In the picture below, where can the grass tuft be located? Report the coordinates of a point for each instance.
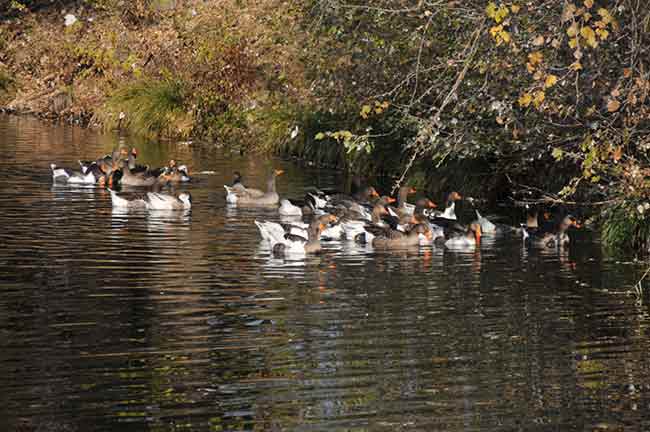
(151, 108)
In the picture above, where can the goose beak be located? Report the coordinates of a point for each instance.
(412, 191)
(390, 200)
(374, 193)
(431, 204)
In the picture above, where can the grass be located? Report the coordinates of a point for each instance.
(150, 107)
(6, 81)
(625, 229)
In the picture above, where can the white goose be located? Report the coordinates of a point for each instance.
(62, 175)
(288, 209)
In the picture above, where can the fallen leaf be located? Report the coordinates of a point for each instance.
(539, 40)
(613, 105)
(540, 96)
(575, 66)
(618, 153)
(568, 11)
(525, 99)
(627, 72)
(515, 8)
(550, 81)
(589, 4)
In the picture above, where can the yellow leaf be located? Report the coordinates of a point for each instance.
(540, 96)
(505, 36)
(575, 66)
(589, 35)
(572, 31)
(525, 99)
(491, 10)
(573, 42)
(586, 16)
(602, 33)
(494, 31)
(530, 68)
(627, 72)
(535, 57)
(385, 104)
(551, 80)
(539, 40)
(515, 8)
(589, 3)
(568, 11)
(613, 105)
(365, 110)
(538, 75)
(605, 15)
(600, 24)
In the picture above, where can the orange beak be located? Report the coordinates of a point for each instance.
(322, 227)
(547, 216)
(412, 190)
(110, 181)
(279, 172)
(431, 204)
(374, 193)
(390, 200)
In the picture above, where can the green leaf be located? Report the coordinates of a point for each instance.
(557, 154)
(319, 136)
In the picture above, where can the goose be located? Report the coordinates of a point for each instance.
(487, 227)
(418, 234)
(62, 175)
(153, 201)
(251, 197)
(555, 238)
(284, 243)
(470, 239)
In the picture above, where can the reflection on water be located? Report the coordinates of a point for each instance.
(184, 320)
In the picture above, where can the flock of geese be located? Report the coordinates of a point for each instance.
(364, 217)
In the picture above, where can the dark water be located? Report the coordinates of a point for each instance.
(113, 322)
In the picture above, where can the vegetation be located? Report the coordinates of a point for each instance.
(501, 97)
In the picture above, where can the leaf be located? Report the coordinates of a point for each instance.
(555, 43)
(589, 35)
(576, 66)
(602, 33)
(535, 57)
(365, 110)
(515, 8)
(557, 154)
(613, 105)
(530, 67)
(605, 15)
(539, 40)
(551, 80)
(572, 31)
(627, 72)
(540, 96)
(505, 36)
(525, 99)
(538, 75)
(618, 153)
(589, 4)
(573, 42)
(319, 136)
(568, 11)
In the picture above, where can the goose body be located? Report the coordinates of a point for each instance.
(470, 239)
(62, 175)
(487, 227)
(288, 209)
(242, 196)
(153, 201)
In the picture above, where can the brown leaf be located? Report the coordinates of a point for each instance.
(539, 40)
(627, 72)
(568, 12)
(613, 105)
(618, 153)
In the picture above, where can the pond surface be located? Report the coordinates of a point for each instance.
(114, 322)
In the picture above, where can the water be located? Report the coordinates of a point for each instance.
(113, 322)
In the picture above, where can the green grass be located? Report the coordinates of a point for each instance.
(155, 107)
(624, 229)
